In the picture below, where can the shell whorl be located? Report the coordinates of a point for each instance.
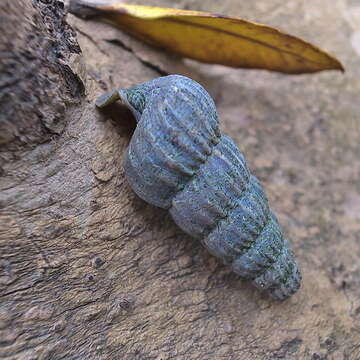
(179, 160)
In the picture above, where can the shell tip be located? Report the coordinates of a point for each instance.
(107, 99)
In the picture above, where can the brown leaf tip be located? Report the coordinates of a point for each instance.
(82, 9)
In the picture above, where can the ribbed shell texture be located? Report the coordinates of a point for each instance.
(179, 160)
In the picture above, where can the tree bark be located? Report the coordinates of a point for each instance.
(90, 271)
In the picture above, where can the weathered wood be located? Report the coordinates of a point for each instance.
(89, 271)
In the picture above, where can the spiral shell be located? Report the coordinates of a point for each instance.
(179, 160)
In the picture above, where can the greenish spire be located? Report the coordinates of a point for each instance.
(136, 97)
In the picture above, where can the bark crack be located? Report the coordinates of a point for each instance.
(146, 63)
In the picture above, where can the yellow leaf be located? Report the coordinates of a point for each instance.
(212, 38)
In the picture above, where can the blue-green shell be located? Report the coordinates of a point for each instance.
(179, 160)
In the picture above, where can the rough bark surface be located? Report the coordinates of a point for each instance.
(90, 271)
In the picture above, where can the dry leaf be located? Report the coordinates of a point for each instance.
(212, 38)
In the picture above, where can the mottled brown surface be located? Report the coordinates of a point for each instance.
(89, 271)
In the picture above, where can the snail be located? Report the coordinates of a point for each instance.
(179, 160)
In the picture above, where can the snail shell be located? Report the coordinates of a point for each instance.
(179, 160)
